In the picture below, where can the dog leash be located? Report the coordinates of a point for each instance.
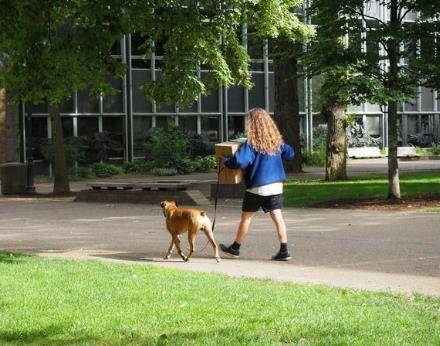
(215, 206)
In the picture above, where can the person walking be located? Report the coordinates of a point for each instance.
(261, 158)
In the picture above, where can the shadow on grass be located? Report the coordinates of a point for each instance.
(13, 258)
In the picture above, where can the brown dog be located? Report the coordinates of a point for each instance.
(180, 220)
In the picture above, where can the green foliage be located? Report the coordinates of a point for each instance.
(164, 171)
(84, 172)
(421, 151)
(191, 32)
(71, 148)
(70, 48)
(168, 147)
(435, 148)
(316, 158)
(205, 163)
(103, 170)
(138, 166)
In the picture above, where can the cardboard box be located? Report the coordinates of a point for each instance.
(228, 176)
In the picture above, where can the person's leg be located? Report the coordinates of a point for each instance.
(243, 227)
(277, 217)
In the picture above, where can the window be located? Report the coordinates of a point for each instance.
(87, 103)
(141, 126)
(114, 103)
(140, 102)
(210, 127)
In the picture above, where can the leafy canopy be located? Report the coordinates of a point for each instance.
(50, 48)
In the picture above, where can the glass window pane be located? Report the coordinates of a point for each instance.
(164, 121)
(235, 125)
(236, 99)
(411, 106)
(210, 126)
(164, 108)
(373, 108)
(271, 92)
(39, 136)
(427, 99)
(87, 126)
(192, 108)
(256, 94)
(210, 103)
(141, 125)
(67, 105)
(188, 124)
(67, 124)
(87, 103)
(373, 125)
(140, 102)
(301, 94)
(136, 41)
(114, 103)
(114, 126)
(39, 127)
(40, 108)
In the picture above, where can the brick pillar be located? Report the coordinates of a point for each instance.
(2, 126)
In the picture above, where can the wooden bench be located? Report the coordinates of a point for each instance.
(111, 186)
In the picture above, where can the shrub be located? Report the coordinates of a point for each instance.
(164, 171)
(137, 166)
(421, 151)
(103, 170)
(167, 146)
(435, 148)
(317, 157)
(84, 172)
(205, 163)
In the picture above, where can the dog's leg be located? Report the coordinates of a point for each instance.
(179, 249)
(210, 236)
(191, 241)
(170, 250)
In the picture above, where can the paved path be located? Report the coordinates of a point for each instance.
(397, 251)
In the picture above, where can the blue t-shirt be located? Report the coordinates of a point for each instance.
(260, 169)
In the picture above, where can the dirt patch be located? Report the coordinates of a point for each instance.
(406, 203)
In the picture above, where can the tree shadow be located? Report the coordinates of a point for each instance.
(13, 258)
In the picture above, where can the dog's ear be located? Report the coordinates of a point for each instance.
(175, 202)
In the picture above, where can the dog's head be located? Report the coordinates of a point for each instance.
(165, 205)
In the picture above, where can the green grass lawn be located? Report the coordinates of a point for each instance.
(55, 302)
(302, 193)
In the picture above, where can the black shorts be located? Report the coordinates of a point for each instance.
(253, 202)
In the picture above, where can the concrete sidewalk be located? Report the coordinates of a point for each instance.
(395, 251)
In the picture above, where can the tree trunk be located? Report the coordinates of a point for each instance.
(286, 112)
(393, 167)
(61, 177)
(2, 125)
(336, 146)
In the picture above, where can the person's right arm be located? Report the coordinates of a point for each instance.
(287, 152)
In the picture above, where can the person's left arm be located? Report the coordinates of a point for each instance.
(243, 158)
(287, 152)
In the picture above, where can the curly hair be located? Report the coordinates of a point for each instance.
(263, 134)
